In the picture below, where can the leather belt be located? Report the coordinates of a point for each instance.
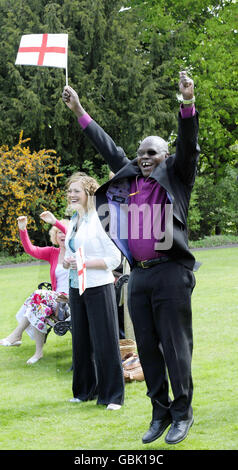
(148, 263)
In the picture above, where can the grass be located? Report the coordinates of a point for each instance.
(206, 242)
(34, 409)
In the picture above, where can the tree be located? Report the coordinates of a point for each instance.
(215, 69)
(27, 93)
(199, 36)
(106, 66)
(122, 84)
(124, 63)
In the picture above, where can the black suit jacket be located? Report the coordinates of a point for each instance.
(176, 174)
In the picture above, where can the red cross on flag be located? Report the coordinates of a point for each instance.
(48, 50)
(81, 267)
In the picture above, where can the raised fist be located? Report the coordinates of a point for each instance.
(186, 86)
(22, 222)
(48, 217)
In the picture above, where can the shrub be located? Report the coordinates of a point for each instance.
(28, 185)
(214, 207)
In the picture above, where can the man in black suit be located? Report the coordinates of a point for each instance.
(148, 201)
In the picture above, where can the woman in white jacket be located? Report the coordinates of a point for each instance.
(97, 367)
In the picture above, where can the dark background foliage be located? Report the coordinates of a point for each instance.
(124, 58)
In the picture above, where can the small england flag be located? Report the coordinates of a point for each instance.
(81, 267)
(49, 50)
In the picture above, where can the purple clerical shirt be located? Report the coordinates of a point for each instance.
(146, 217)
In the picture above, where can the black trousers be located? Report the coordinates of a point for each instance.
(159, 301)
(97, 366)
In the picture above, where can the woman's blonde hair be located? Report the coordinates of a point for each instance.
(89, 185)
(54, 230)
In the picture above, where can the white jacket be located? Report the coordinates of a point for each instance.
(96, 245)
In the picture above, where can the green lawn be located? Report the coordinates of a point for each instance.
(35, 412)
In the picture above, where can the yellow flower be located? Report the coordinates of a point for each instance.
(28, 184)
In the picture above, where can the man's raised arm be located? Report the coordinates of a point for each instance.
(103, 143)
(187, 148)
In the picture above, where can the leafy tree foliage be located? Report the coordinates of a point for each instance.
(124, 58)
(107, 66)
(124, 63)
(215, 70)
(201, 37)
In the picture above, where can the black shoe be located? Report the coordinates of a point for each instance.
(178, 431)
(157, 427)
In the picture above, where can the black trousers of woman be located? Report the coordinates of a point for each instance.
(159, 300)
(97, 366)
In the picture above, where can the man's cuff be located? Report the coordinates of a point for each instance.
(84, 120)
(187, 112)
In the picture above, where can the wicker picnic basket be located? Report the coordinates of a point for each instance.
(127, 346)
(132, 369)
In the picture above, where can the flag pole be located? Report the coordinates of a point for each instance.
(66, 68)
(66, 75)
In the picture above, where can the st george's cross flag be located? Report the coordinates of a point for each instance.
(81, 268)
(48, 50)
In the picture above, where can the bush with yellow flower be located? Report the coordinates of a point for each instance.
(28, 186)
